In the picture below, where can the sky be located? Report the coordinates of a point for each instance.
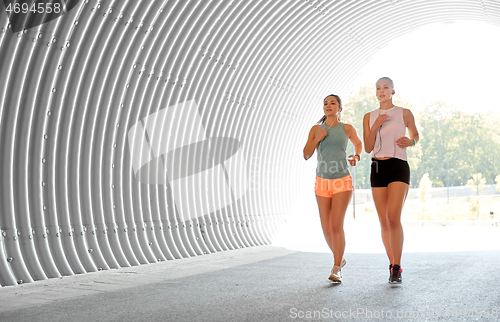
(458, 63)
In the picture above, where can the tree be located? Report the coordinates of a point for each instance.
(476, 184)
(468, 142)
(424, 194)
(437, 141)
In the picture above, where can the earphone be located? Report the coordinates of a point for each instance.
(380, 138)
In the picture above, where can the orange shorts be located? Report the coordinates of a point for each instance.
(328, 187)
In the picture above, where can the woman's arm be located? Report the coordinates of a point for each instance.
(352, 134)
(409, 121)
(313, 141)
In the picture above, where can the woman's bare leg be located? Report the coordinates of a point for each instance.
(340, 202)
(380, 199)
(332, 213)
(396, 196)
(324, 206)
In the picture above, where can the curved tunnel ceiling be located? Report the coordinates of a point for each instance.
(139, 131)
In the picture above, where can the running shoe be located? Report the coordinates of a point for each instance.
(336, 275)
(395, 277)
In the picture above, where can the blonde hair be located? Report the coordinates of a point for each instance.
(386, 78)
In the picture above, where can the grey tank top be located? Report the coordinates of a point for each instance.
(332, 162)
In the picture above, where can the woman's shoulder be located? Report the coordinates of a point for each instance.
(407, 115)
(315, 128)
(367, 115)
(406, 110)
(348, 126)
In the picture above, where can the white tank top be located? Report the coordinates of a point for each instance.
(392, 129)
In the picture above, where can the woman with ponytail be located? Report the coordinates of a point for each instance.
(333, 186)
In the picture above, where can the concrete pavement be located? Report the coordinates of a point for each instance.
(276, 283)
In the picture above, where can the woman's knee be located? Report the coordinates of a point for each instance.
(333, 228)
(384, 225)
(337, 227)
(394, 221)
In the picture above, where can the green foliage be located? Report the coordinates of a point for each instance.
(474, 207)
(424, 195)
(425, 186)
(477, 182)
(457, 143)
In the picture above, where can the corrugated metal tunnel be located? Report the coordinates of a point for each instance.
(133, 132)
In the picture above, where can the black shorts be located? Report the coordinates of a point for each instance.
(384, 172)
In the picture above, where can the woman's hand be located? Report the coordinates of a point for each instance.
(404, 142)
(352, 160)
(321, 134)
(379, 121)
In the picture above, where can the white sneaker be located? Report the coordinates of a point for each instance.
(336, 275)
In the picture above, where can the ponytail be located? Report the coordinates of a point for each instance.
(322, 120)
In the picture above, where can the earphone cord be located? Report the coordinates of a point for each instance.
(380, 139)
(320, 142)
